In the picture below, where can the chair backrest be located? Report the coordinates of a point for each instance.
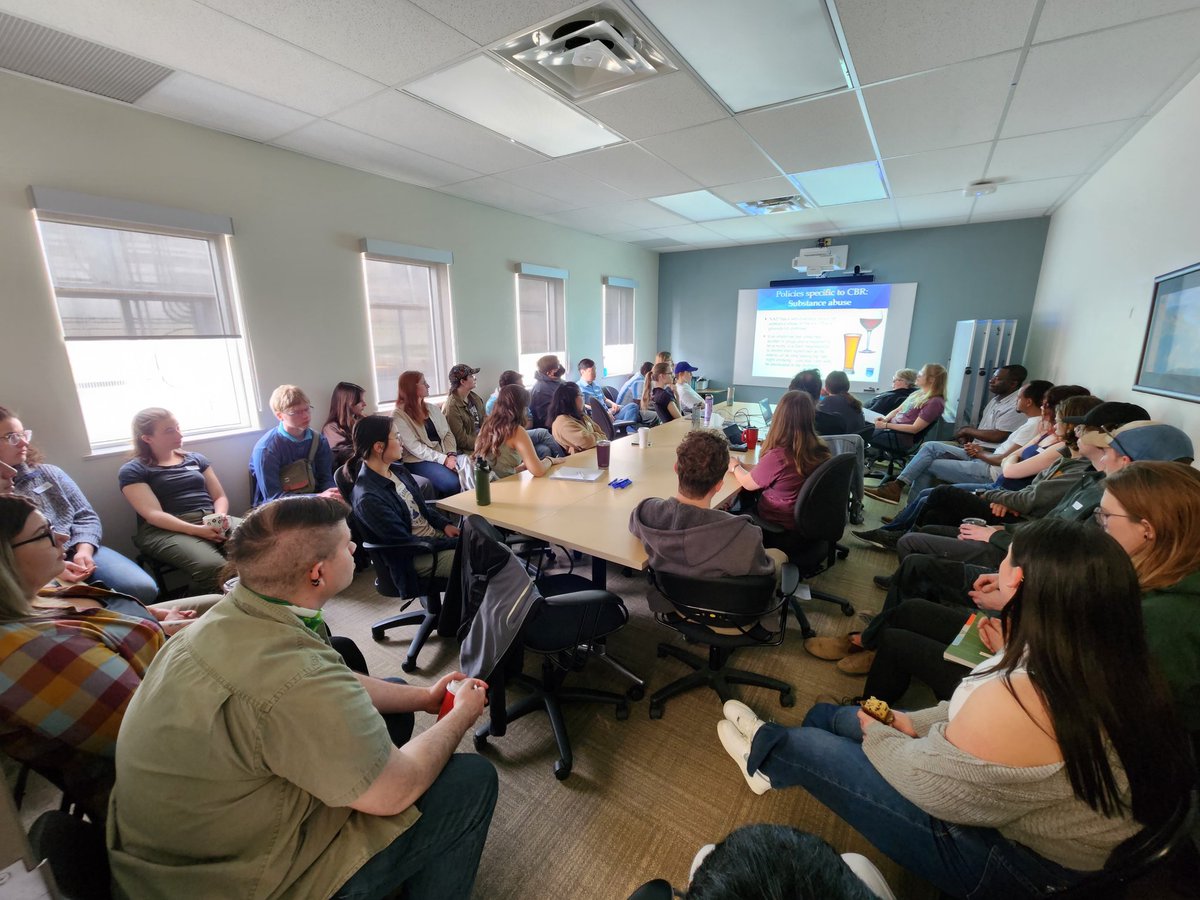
(822, 508)
(719, 602)
(345, 484)
(601, 417)
(610, 393)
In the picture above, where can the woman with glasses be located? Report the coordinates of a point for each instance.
(346, 406)
(172, 490)
(429, 448)
(292, 458)
(61, 501)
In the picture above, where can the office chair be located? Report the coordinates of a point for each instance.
(74, 849)
(735, 605)
(503, 615)
(394, 578)
(819, 518)
(612, 429)
(856, 444)
(610, 392)
(899, 455)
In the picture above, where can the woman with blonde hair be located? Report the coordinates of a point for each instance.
(899, 428)
(657, 396)
(429, 446)
(503, 439)
(789, 454)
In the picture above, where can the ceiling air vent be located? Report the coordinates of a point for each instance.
(773, 205)
(589, 52)
(51, 55)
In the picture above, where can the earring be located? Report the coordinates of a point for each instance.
(315, 582)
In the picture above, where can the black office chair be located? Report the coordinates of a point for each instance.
(896, 456)
(610, 393)
(74, 849)
(736, 605)
(491, 592)
(819, 519)
(612, 429)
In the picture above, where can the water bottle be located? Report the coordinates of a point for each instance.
(483, 482)
(708, 405)
(696, 416)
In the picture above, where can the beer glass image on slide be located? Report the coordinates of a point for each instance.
(851, 352)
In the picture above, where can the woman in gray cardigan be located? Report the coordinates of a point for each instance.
(1049, 755)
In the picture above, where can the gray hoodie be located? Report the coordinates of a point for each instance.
(702, 543)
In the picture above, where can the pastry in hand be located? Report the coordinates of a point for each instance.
(877, 709)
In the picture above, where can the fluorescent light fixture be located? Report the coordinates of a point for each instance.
(699, 206)
(842, 184)
(483, 91)
(775, 50)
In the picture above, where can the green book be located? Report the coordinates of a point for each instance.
(967, 649)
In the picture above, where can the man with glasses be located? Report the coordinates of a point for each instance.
(291, 458)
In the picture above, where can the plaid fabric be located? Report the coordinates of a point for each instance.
(66, 679)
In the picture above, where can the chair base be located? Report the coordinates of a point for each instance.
(713, 673)
(427, 622)
(638, 690)
(548, 694)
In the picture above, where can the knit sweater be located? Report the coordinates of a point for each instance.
(60, 500)
(1032, 805)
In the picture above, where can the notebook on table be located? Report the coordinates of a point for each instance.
(566, 473)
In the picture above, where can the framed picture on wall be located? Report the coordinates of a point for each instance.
(1170, 364)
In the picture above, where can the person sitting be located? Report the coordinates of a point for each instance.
(838, 401)
(1045, 759)
(253, 761)
(346, 406)
(545, 382)
(899, 428)
(464, 409)
(572, 429)
(631, 390)
(789, 455)
(904, 383)
(291, 458)
(430, 449)
(543, 440)
(172, 491)
(809, 381)
(657, 396)
(60, 500)
(388, 505)
(591, 390)
(503, 440)
(684, 535)
(685, 395)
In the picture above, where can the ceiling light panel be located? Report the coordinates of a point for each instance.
(842, 184)
(782, 50)
(699, 206)
(484, 91)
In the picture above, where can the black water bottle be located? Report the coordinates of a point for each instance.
(483, 482)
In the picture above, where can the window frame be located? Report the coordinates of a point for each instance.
(618, 284)
(556, 296)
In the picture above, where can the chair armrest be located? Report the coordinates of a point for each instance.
(582, 598)
(408, 548)
(790, 580)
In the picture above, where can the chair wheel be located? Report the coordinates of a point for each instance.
(636, 693)
(409, 665)
(378, 634)
(480, 742)
(622, 711)
(787, 698)
(656, 710)
(807, 633)
(842, 554)
(561, 770)
(847, 610)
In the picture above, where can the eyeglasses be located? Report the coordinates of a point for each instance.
(16, 437)
(46, 534)
(297, 411)
(1102, 517)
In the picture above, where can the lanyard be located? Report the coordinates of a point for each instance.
(313, 619)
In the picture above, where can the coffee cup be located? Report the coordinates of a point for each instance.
(448, 700)
(750, 436)
(975, 521)
(644, 437)
(602, 453)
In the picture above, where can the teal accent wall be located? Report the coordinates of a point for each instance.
(984, 271)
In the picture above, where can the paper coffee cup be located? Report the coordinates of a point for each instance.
(974, 521)
(218, 520)
(644, 437)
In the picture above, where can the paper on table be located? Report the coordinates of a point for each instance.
(565, 473)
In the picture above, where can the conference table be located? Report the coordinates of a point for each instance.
(591, 517)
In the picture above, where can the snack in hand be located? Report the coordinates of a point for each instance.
(877, 709)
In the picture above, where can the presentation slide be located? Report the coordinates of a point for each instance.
(860, 329)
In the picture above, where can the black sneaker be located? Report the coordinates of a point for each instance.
(883, 581)
(884, 540)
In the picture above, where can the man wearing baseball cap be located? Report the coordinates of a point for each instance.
(685, 394)
(463, 407)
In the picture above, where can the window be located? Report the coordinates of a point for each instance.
(540, 320)
(618, 326)
(149, 318)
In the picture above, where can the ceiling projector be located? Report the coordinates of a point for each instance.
(819, 260)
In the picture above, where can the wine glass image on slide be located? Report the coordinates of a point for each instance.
(851, 352)
(869, 324)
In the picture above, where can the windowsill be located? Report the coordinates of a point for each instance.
(198, 439)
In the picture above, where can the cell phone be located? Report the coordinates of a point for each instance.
(7, 471)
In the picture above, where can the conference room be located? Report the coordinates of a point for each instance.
(275, 193)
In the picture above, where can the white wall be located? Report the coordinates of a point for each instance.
(297, 222)
(1135, 219)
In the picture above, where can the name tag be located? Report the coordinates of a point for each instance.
(1077, 505)
(42, 488)
(191, 468)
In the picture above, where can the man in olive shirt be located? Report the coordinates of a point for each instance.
(253, 763)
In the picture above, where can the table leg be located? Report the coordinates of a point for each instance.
(600, 573)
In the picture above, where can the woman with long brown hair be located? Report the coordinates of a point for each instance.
(429, 446)
(503, 439)
(346, 406)
(789, 454)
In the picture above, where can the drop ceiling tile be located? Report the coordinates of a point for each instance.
(1005, 215)
(716, 153)
(1102, 76)
(814, 135)
(336, 143)
(947, 207)
(1054, 153)
(363, 35)
(938, 170)
(491, 191)
(657, 106)
(695, 235)
(749, 229)
(949, 107)
(597, 220)
(1024, 195)
(634, 236)
(763, 189)
(415, 124)
(1061, 18)
(900, 37)
(804, 223)
(872, 214)
(644, 214)
(563, 183)
(185, 35)
(631, 169)
(489, 22)
(661, 243)
(212, 105)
